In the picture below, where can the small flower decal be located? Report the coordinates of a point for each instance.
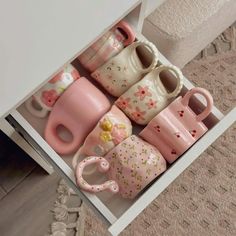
(142, 92)
(105, 136)
(49, 97)
(119, 133)
(106, 125)
(123, 103)
(151, 104)
(56, 78)
(138, 115)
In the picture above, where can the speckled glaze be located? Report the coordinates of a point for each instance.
(130, 167)
(125, 69)
(177, 127)
(148, 97)
(46, 96)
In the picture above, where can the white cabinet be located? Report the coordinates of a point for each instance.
(53, 33)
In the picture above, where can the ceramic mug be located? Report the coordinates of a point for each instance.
(110, 44)
(177, 127)
(111, 129)
(130, 167)
(149, 96)
(125, 69)
(78, 110)
(44, 99)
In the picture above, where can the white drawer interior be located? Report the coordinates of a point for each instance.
(115, 203)
(113, 207)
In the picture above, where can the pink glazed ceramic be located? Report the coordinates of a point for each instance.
(130, 167)
(125, 69)
(148, 97)
(44, 99)
(78, 110)
(177, 127)
(112, 129)
(110, 44)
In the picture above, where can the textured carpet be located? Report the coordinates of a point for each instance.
(202, 200)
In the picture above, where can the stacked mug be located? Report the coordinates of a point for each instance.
(126, 70)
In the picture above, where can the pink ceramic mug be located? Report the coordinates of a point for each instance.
(78, 110)
(110, 44)
(130, 167)
(111, 129)
(177, 127)
(44, 99)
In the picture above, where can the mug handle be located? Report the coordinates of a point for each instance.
(103, 166)
(128, 30)
(206, 95)
(75, 161)
(179, 76)
(153, 50)
(53, 139)
(38, 113)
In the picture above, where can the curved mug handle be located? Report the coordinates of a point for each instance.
(38, 113)
(178, 74)
(128, 30)
(151, 48)
(103, 166)
(60, 146)
(206, 95)
(75, 161)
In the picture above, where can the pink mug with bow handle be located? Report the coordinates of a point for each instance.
(130, 167)
(177, 127)
(78, 110)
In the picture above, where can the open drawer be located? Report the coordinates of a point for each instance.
(116, 211)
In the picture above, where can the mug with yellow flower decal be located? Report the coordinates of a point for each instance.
(130, 167)
(112, 129)
(145, 99)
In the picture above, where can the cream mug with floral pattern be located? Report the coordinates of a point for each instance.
(149, 96)
(128, 67)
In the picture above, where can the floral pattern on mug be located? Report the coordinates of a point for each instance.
(49, 97)
(133, 164)
(148, 97)
(51, 91)
(125, 69)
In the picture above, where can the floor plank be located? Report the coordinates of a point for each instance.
(15, 164)
(2, 193)
(26, 209)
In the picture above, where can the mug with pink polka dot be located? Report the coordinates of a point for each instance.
(130, 167)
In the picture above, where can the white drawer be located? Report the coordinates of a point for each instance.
(116, 211)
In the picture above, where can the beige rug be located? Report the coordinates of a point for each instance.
(202, 200)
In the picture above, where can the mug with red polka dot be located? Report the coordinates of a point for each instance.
(130, 167)
(177, 127)
(149, 96)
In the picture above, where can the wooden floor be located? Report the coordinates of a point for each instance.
(27, 193)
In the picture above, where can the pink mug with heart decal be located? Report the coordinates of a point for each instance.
(177, 127)
(77, 110)
(130, 167)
